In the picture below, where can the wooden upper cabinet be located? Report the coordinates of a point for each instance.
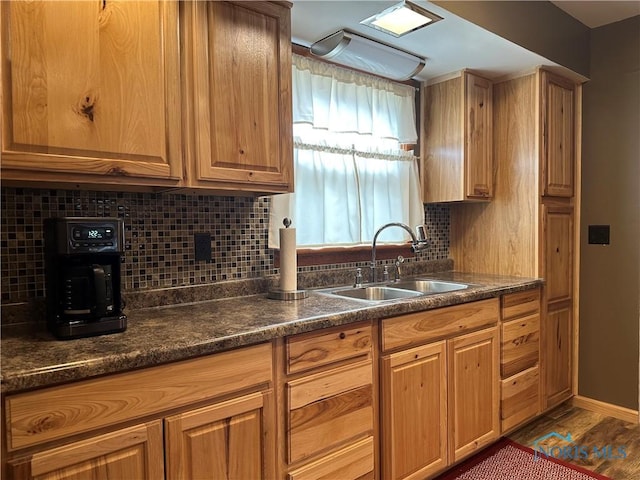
(558, 157)
(457, 149)
(478, 97)
(91, 92)
(238, 74)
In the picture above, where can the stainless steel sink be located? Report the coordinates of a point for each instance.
(428, 286)
(374, 293)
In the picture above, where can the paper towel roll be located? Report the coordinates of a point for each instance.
(288, 260)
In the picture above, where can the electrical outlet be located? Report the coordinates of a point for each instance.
(599, 234)
(202, 246)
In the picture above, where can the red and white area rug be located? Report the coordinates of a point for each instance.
(508, 460)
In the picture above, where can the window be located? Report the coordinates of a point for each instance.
(351, 174)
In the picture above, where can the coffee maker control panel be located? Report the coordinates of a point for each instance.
(92, 237)
(89, 235)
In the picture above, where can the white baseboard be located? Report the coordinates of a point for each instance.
(615, 411)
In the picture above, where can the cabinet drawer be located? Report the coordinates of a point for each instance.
(520, 399)
(354, 462)
(518, 304)
(423, 327)
(520, 347)
(328, 409)
(57, 412)
(317, 349)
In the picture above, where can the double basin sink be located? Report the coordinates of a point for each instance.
(396, 290)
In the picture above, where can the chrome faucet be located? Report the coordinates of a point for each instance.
(417, 243)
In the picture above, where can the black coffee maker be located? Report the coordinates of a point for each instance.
(82, 274)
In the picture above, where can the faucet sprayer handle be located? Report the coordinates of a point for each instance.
(422, 241)
(421, 232)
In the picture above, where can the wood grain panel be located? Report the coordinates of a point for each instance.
(557, 355)
(520, 347)
(414, 412)
(134, 452)
(474, 391)
(355, 462)
(443, 148)
(328, 409)
(501, 236)
(220, 441)
(93, 88)
(323, 385)
(520, 398)
(478, 136)
(520, 304)
(421, 327)
(56, 412)
(558, 103)
(559, 256)
(315, 349)
(241, 120)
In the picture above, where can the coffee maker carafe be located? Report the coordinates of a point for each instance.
(82, 270)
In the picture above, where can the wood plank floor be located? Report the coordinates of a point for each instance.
(589, 429)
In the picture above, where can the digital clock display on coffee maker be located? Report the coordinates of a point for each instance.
(92, 233)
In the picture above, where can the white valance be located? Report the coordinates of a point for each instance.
(357, 102)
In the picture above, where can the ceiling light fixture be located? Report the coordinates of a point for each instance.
(402, 18)
(362, 53)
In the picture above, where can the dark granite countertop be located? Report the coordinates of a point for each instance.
(32, 358)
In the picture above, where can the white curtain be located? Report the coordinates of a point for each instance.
(351, 175)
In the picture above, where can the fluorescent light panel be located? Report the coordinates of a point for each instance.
(400, 19)
(362, 53)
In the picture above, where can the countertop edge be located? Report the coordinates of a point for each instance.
(28, 379)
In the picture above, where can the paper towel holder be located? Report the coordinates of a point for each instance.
(279, 294)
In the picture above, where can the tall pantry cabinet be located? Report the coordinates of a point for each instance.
(531, 226)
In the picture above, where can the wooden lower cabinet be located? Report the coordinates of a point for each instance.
(557, 356)
(222, 441)
(474, 391)
(132, 453)
(520, 398)
(328, 404)
(353, 462)
(440, 401)
(414, 412)
(520, 358)
(218, 413)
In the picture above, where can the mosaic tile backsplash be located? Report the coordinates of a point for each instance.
(159, 237)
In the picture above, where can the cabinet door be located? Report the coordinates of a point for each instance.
(474, 391)
(229, 440)
(133, 453)
(557, 357)
(414, 412)
(91, 92)
(558, 251)
(478, 136)
(558, 151)
(240, 53)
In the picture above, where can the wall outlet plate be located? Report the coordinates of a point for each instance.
(202, 246)
(599, 234)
